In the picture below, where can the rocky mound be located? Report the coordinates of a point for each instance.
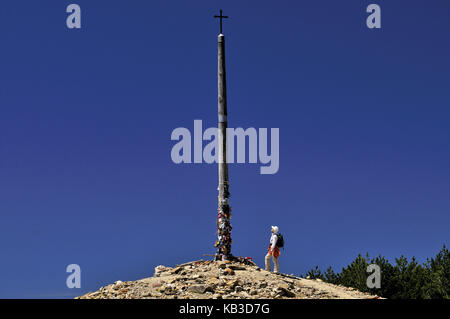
(222, 280)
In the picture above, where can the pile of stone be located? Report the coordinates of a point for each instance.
(221, 280)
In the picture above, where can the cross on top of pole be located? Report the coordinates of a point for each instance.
(221, 17)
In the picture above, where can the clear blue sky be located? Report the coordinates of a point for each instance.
(86, 116)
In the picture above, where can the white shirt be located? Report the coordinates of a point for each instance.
(273, 240)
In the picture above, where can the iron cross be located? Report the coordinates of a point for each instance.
(221, 17)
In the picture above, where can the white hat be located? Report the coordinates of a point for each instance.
(275, 229)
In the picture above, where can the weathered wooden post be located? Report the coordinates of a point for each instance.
(223, 243)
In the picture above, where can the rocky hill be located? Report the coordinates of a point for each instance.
(222, 280)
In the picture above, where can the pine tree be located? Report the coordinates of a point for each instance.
(404, 280)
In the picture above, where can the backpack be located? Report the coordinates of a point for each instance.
(280, 241)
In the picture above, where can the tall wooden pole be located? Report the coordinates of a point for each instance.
(223, 243)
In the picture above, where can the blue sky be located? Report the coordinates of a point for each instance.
(86, 117)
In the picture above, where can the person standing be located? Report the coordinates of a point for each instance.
(274, 251)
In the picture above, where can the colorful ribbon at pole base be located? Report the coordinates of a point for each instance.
(224, 241)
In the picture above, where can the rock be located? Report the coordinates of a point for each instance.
(245, 295)
(210, 288)
(233, 283)
(176, 270)
(159, 270)
(283, 286)
(213, 282)
(229, 271)
(200, 289)
(262, 285)
(282, 291)
(218, 280)
(234, 267)
(169, 290)
(220, 291)
(221, 264)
